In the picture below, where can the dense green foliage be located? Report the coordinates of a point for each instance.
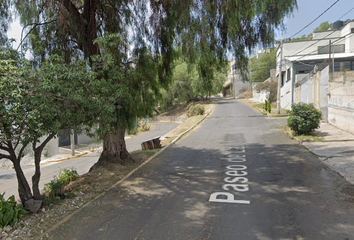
(35, 105)
(10, 212)
(67, 175)
(105, 62)
(260, 67)
(323, 27)
(304, 118)
(5, 20)
(55, 188)
(187, 84)
(267, 106)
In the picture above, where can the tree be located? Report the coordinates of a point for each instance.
(260, 67)
(184, 81)
(5, 14)
(322, 27)
(207, 30)
(35, 105)
(187, 83)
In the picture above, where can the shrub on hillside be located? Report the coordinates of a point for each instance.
(10, 212)
(56, 186)
(195, 110)
(304, 118)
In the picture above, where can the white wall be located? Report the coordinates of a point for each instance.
(83, 138)
(326, 34)
(52, 146)
(341, 101)
(286, 94)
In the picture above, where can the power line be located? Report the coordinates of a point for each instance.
(324, 36)
(316, 18)
(346, 13)
(348, 35)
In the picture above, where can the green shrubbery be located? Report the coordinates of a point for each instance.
(144, 126)
(304, 118)
(267, 106)
(10, 212)
(56, 187)
(195, 110)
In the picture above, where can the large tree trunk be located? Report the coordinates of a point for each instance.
(37, 175)
(37, 161)
(114, 149)
(24, 189)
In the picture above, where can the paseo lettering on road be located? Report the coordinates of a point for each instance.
(235, 180)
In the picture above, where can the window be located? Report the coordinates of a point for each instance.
(282, 78)
(340, 48)
(288, 76)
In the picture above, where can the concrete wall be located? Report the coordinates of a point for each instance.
(286, 92)
(341, 101)
(323, 93)
(83, 138)
(52, 146)
(259, 96)
(239, 85)
(304, 91)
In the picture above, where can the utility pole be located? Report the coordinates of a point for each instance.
(72, 142)
(233, 80)
(329, 54)
(280, 76)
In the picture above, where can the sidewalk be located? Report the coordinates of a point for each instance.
(336, 150)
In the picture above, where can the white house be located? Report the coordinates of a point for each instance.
(301, 58)
(234, 84)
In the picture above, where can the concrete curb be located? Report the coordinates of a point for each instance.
(124, 178)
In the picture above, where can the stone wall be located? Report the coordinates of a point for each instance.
(341, 100)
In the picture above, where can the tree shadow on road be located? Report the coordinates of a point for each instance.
(291, 194)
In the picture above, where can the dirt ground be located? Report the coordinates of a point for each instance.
(91, 185)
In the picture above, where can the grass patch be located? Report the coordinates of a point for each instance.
(185, 125)
(168, 141)
(303, 138)
(146, 152)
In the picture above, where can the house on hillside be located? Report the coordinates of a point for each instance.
(300, 60)
(235, 84)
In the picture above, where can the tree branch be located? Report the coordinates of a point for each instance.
(4, 156)
(34, 26)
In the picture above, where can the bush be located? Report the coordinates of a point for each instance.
(10, 212)
(144, 126)
(133, 131)
(304, 118)
(67, 175)
(269, 106)
(56, 186)
(195, 110)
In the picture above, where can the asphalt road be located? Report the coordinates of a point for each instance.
(236, 177)
(8, 181)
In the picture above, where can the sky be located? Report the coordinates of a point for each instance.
(308, 10)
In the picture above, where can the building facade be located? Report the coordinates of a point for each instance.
(301, 59)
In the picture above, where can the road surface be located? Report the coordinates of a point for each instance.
(236, 177)
(8, 181)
